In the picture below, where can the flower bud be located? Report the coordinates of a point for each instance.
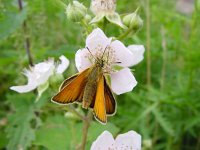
(88, 18)
(55, 80)
(198, 5)
(133, 21)
(76, 11)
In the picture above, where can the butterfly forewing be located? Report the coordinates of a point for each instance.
(72, 89)
(67, 81)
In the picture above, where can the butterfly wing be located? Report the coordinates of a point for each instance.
(110, 102)
(67, 81)
(99, 102)
(72, 89)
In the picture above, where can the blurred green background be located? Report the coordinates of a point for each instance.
(164, 107)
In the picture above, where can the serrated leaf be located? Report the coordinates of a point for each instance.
(20, 132)
(164, 123)
(54, 134)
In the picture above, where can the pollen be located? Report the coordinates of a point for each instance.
(105, 6)
(106, 55)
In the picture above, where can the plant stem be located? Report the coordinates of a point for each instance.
(148, 42)
(104, 24)
(27, 40)
(164, 47)
(73, 110)
(86, 125)
(125, 34)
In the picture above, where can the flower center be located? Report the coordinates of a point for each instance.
(105, 56)
(99, 6)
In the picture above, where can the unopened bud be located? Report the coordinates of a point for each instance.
(76, 11)
(88, 18)
(133, 21)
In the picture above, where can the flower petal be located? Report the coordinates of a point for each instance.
(63, 65)
(138, 53)
(129, 140)
(24, 88)
(123, 81)
(103, 142)
(123, 54)
(81, 59)
(97, 41)
(42, 71)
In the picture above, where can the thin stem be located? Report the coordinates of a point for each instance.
(164, 47)
(86, 125)
(87, 28)
(73, 110)
(104, 24)
(148, 42)
(27, 40)
(125, 34)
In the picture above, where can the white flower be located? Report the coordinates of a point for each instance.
(114, 54)
(129, 141)
(39, 74)
(105, 8)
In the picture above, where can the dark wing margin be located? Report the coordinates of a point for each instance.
(109, 99)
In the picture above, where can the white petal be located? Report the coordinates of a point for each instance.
(63, 65)
(103, 142)
(123, 54)
(43, 71)
(24, 88)
(97, 40)
(81, 59)
(129, 140)
(138, 53)
(123, 81)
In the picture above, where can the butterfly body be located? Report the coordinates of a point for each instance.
(91, 86)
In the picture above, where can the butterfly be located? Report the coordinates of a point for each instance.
(89, 88)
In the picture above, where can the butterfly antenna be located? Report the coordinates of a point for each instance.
(91, 54)
(104, 52)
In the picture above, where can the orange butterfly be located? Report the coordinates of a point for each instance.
(91, 89)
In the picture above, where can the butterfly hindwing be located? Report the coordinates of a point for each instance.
(110, 102)
(99, 102)
(72, 89)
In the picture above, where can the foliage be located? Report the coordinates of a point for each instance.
(166, 113)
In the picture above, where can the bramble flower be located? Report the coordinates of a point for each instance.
(39, 74)
(130, 141)
(105, 8)
(115, 56)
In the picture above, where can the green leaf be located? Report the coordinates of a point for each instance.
(54, 134)
(10, 22)
(20, 130)
(164, 123)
